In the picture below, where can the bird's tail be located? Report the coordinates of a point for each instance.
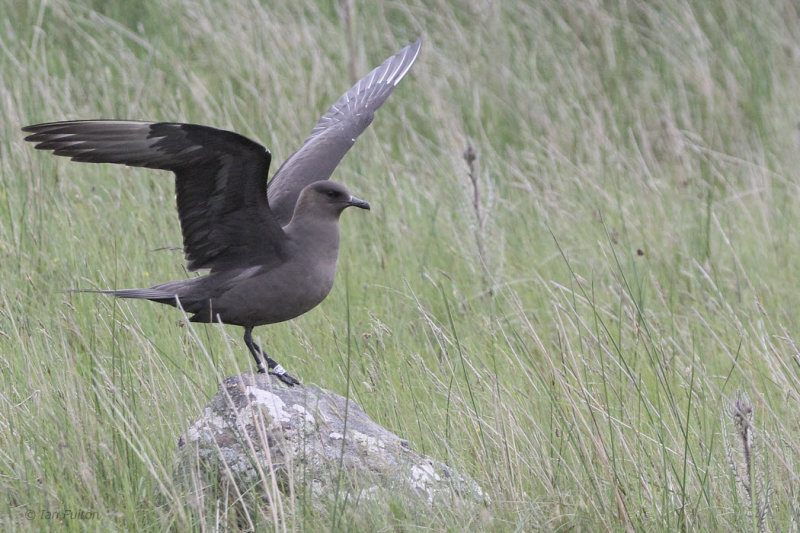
(156, 295)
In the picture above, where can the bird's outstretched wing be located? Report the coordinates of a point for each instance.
(220, 181)
(336, 132)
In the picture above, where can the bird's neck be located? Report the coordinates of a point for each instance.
(320, 234)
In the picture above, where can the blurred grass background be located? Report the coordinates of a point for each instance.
(581, 336)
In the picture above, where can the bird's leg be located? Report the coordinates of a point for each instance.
(274, 367)
(255, 349)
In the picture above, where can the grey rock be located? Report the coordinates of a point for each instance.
(259, 440)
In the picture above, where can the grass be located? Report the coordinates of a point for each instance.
(581, 348)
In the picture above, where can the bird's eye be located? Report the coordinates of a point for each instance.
(333, 194)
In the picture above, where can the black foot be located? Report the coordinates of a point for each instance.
(280, 373)
(286, 378)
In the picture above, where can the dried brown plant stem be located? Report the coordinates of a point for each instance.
(471, 157)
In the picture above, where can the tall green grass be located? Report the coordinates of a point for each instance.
(637, 176)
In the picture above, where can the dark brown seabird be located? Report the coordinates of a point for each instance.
(270, 250)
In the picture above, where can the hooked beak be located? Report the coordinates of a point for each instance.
(356, 202)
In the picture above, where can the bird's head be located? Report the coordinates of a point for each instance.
(326, 199)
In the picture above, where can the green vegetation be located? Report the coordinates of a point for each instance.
(576, 343)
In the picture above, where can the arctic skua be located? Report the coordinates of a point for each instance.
(270, 250)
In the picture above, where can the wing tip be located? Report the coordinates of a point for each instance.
(408, 56)
(54, 127)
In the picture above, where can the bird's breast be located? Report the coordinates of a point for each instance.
(268, 296)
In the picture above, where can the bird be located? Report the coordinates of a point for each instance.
(269, 249)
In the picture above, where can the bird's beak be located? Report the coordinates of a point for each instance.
(356, 202)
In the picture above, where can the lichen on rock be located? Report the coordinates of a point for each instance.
(259, 441)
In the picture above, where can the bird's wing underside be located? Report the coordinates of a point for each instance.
(336, 132)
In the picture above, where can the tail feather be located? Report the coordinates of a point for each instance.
(155, 295)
